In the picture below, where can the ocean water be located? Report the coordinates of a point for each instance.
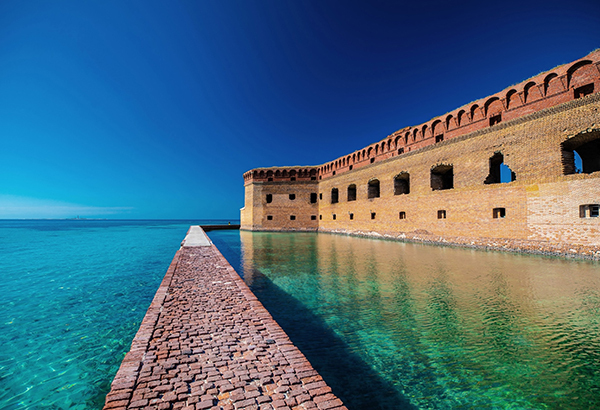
(393, 325)
(73, 294)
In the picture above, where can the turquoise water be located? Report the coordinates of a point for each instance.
(73, 296)
(391, 325)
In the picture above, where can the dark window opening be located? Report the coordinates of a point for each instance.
(269, 198)
(589, 211)
(313, 198)
(402, 184)
(292, 178)
(581, 154)
(499, 171)
(313, 178)
(292, 197)
(400, 151)
(372, 160)
(320, 217)
(496, 119)
(402, 215)
(313, 217)
(293, 217)
(499, 213)
(350, 168)
(321, 196)
(320, 177)
(269, 179)
(334, 196)
(269, 217)
(442, 177)
(333, 172)
(373, 189)
(352, 193)
(439, 138)
(351, 216)
(583, 90)
(373, 215)
(442, 214)
(334, 216)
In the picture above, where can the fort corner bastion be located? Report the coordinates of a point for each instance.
(517, 170)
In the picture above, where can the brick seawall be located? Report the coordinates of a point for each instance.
(206, 342)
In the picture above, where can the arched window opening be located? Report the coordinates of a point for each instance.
(334, 195)
(442, 177)
(351, 193)
(373, 191)
(581, 154)
(402, 184)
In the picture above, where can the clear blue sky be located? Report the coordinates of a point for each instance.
(147, 109)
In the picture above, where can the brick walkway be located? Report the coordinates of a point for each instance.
(206, 342)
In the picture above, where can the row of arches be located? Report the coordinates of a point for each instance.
(579, 77)
(302, 173)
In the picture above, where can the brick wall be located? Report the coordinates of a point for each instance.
(541, 204)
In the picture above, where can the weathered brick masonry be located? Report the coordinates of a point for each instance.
(206, 342)
(497, 173)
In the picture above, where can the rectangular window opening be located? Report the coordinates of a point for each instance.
(321, 196)
(499, 213)
(400, 151)
(442, 214)
(292, 178)
(351, 216)
(320, 217)
(350, 167)
(334, 216)
(292, 197)
(269, 198)
(589, 211)
(313, 178)
(439, 138)
(313, 217)
(292, 217)
(495, 119)
(269, 179)
(372, 160)
(333, 172)
(313, 198)
(373, 215)
(269, 217)
(584, 90)
(402, 215)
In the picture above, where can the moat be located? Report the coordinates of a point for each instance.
(399, 325)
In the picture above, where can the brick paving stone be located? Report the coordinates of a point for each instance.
(206, 342)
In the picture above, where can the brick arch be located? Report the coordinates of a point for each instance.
(415, 132)
(436, 127)
(424, 130)
(397, 141)
(406, 138)
(269, 173)
(389, 144)
(552, 84)
(376, 149)
(461, 118)
(369, 152)
(449, 122)
(581, 73)
(493, 106)
(475, 112)
(293, 173)
(383, 147)
(363, 154)
(354, 158)
(512, 99)
(530, 92)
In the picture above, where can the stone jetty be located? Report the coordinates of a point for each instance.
(206, 342)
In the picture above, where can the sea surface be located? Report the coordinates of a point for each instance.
(73, 294)
(389, 325)
(393, 325)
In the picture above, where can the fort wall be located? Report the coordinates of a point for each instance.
(503, 167)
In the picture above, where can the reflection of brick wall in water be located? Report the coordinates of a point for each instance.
(522, 164)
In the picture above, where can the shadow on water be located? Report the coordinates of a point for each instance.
(351, 379)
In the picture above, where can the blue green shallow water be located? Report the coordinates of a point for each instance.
(389, 325)
(73, 295)
(393, 325)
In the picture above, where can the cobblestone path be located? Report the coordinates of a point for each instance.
(206, 342)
